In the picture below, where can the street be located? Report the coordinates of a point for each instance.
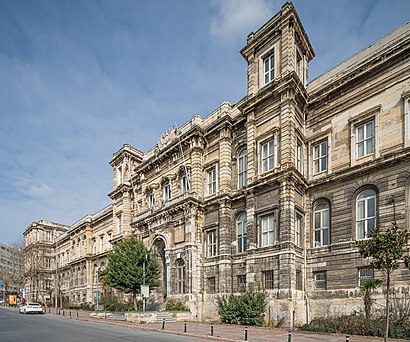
(50, 328)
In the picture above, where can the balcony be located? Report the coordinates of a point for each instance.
(165, 205)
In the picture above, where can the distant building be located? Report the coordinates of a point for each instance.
(271, 193)
(11, 270)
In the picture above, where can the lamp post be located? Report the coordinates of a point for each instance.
(98, 288)
(56, 279)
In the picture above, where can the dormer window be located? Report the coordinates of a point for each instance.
(269, 68)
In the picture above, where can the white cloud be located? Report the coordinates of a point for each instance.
(236, 17)
(25, 187)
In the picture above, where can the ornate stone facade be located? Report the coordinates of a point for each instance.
(272, 193)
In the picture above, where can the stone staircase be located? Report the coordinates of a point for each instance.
(162, 315)
(117, 316)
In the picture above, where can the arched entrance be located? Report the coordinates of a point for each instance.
(158, 251)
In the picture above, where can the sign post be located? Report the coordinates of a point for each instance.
(145, 295)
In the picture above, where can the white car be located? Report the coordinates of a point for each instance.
(30, 307)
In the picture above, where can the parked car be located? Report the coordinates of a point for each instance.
(30, 307)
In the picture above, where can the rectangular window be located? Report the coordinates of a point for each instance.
(119, 223)
(119, 175)
(365, 139)
(269, 68)
(241, 231)
(94, 247)
(101, 243)
(365, 274)
(268, 155)
(241, 282)
(406, 106)
(211, 285)
(299, 156)
(267, 231)
(320, 157)
(298, 231)
(211, 243)
(151, 200)
(300, 67)
(242, 169)
(320, 281)
(299, 280)
(268, 280)
(167, 191)
(180, 276)
(48, 236)
(211, 180)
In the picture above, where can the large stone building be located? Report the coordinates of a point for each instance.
(11, 270)
(271, 193)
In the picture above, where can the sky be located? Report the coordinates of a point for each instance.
(80, 78)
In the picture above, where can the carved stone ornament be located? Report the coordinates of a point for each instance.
(167, 137)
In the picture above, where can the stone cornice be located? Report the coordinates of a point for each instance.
(341, 85)
(370, 166)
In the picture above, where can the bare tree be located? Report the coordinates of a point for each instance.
(34, 269)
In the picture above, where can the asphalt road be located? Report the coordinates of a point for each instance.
(45, 328)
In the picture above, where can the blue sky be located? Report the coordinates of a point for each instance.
(78, 79)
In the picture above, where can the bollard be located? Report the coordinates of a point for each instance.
(347, 338)
(185, 326)
(163, 323)
(246, 333)
(212, 329)
(63, 313)
(77, 313)
(289, 336)
(70, 313)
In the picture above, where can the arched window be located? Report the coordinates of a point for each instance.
(180, 275)
(365, 213)
(241, 232)
(321, 219)
(242, 168)
(185, 182)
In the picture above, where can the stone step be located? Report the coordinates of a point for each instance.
(117, 316)
(161, 316)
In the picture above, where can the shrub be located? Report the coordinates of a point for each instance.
(175, 304)
(246, 309)
(357, 324)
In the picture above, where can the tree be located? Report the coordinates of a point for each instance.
(386, 250)
(367, 290)
(34, 271)
(125, 269)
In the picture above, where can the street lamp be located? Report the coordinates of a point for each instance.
(98, 287)
(56, 279)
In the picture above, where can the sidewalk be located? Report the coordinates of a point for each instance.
(221, 332)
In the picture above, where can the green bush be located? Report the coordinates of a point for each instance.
(357, 324)
(246, 309)
(175, 304)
